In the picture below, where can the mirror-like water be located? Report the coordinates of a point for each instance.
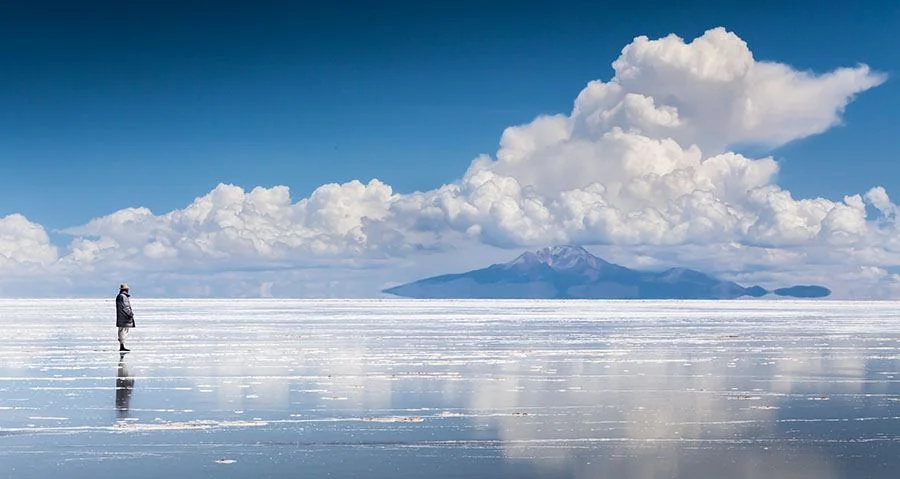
(395, 388)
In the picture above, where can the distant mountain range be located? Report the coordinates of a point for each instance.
(571, 272)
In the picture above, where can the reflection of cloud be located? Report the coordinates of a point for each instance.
(736, 463)
(681, 396)
(583, 388)
(627, 398)
(300, 364)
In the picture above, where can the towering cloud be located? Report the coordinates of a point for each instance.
(642, 160)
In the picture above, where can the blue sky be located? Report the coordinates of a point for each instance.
(154, 104)
(111, 106)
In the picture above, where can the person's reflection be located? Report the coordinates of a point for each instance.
(124, 385)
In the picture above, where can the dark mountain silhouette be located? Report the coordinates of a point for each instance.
(571, 272)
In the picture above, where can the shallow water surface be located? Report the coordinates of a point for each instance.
(410, 389)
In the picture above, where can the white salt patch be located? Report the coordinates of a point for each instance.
(196, 424)
(394, 419)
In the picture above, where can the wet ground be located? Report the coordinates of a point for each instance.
(411, 389)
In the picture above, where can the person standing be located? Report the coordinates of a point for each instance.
(124, 315)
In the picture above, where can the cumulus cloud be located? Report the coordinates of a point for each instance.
(23, 243)
(879, 198)
(231, 224)
(642, 160)
(725, 97)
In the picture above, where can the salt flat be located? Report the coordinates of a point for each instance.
(403, 388)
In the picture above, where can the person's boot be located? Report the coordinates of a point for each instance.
(122, 347)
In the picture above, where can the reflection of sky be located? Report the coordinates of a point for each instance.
(560, 389)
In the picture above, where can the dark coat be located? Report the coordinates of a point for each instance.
(124, 315)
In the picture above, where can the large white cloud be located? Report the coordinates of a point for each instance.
(642, 160)
(23, 243)
(229, 223)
